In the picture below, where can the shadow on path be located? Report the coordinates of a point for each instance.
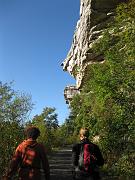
(61, 164)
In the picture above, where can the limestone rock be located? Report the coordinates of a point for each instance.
(94, 17)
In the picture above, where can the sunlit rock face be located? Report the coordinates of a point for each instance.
(94, 17)
(69, 92)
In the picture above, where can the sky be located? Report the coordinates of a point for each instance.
(35, 37)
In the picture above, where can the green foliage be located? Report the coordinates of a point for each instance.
(14, 106)
(106, 104)
(125, 12)
(67, 135)
(47, 123)
(14, 110)
(50, 117)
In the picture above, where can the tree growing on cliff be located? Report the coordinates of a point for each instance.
(107, 100)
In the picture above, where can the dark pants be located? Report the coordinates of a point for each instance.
(81, 175)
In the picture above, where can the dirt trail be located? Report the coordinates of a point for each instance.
(61, 165)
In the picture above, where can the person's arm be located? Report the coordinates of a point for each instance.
(45, 162)
(13, 166)
(100, 159)
(75, 155)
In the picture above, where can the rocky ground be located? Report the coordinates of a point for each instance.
(60, 164)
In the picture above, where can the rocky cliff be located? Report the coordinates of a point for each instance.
(94, 17)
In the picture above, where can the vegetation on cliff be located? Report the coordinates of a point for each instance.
(106, 103)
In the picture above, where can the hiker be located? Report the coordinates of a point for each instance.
(86, 158)
(30, 159)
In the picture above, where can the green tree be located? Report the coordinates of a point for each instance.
(14, 109)
(66, 132)
(47, 123)
(50, 117)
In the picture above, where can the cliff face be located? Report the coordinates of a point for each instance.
(94, 16)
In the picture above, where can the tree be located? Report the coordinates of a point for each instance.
(14, 106)
(66, 133)
(14, 109)
(50, 117)
(47, 123)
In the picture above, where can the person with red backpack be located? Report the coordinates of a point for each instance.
(30, 159)
(86, 158)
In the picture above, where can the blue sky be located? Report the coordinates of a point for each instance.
(35, 37)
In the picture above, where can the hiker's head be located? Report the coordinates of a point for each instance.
(84, 133)
(32, 132)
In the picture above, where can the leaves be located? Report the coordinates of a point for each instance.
(14, 109)
(106, 104)
(47, 122)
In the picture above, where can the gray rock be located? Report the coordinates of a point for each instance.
(94, 17)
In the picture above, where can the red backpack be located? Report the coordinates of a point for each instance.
(87, 160)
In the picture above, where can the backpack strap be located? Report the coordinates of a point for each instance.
(25, 153)
(81, 157)
(25, 150)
